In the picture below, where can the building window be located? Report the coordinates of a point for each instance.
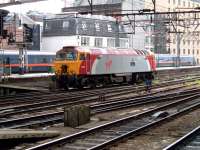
(120, 28)
(168, 1)
(97, 27)
(183, 42)
(184, 3)
(65, 24)
(179, 2)
(47, 26)
(188, 42)
(85, 41)
(189, 51)
(174, 2)
(109, 27)
(174, 41)
(183, 51)
(197, 52)
(123, 43)
(147, 40)
(110, 42)
(174, 51)
(193, 51)
(98, 42)
(197, 60)
(84, 25)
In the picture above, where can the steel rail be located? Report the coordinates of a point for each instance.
(28, 98)
(113, 128)
(189, 141)
(58, 115)
(7, 111)
(64, 96)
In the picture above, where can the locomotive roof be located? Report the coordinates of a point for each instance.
(94, 50)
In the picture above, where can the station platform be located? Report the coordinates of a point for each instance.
(24, 134)
(46, 75)
(39, 75)
(21, 88)
(17, 83)
(27, 75)
(177, 68)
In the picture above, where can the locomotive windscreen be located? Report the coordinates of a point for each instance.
(66, 54)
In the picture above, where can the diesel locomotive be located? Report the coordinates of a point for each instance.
(77, 66)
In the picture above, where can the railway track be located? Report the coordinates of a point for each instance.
(55, 104)
(48, 118)
(51, 112)
(60, 97)
(113, 132)
(27, 95)
(190, 141)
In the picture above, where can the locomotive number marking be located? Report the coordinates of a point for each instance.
(132, 64)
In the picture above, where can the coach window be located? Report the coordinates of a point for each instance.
(7, 60)
(44, 60)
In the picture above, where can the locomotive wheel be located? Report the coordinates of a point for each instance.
(80, 84)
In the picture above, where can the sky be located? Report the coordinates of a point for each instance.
(48, 6)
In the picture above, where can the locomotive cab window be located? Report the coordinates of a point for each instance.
(82, 56)
(69, 55)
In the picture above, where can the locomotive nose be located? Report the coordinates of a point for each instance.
(64, 68)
